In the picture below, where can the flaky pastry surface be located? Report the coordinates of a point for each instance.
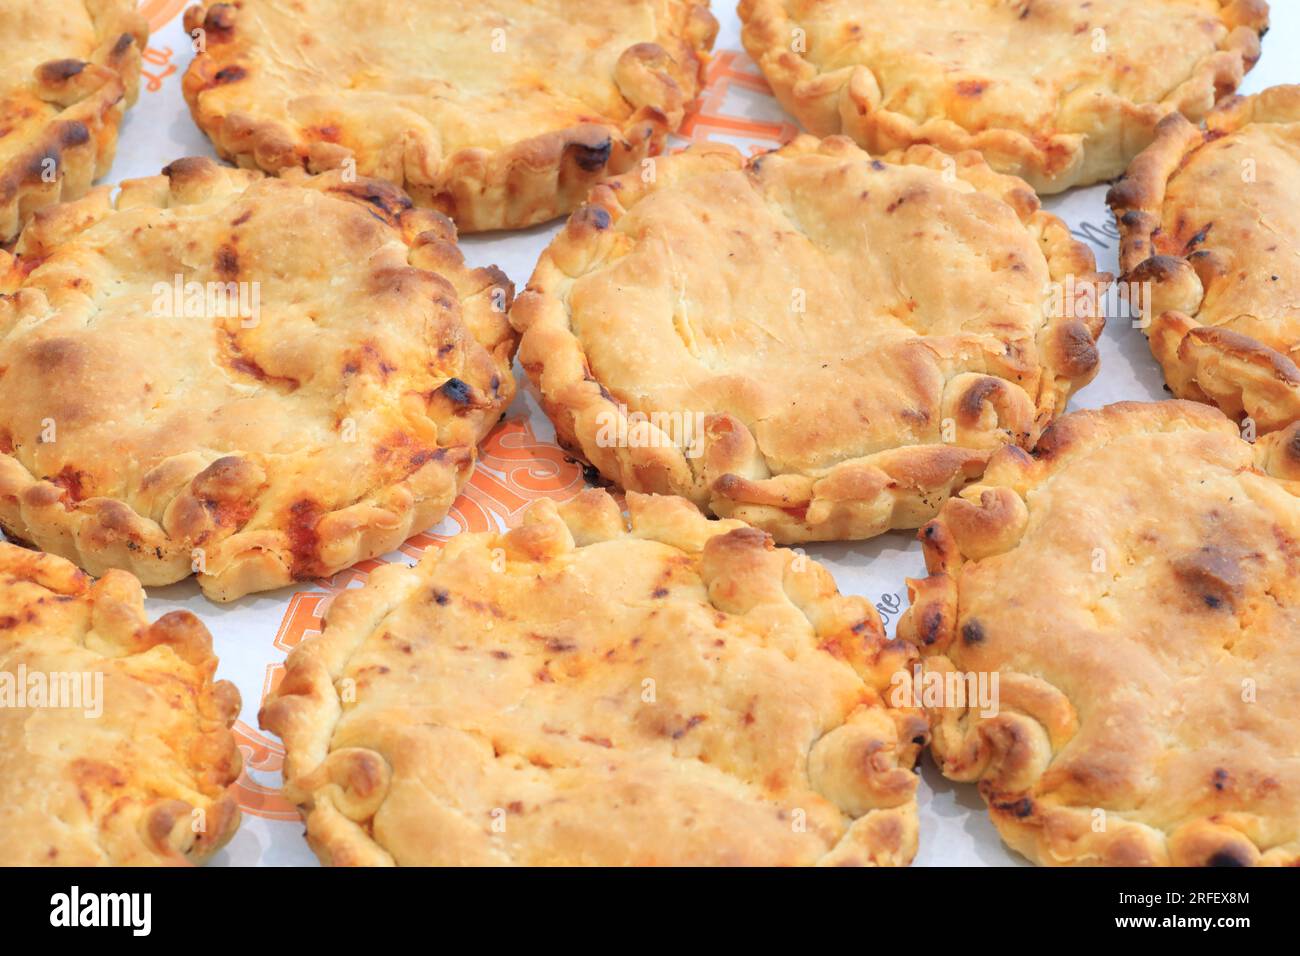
(139, 778)
(255, 442)
(498, 113)
(590, 689)
(1210, 228)
(856, 335)
(68, 70)
(1136, 586)
(1060, 92)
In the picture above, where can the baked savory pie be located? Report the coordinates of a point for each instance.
(590, 689)
(68, 70)
(821, 344)
(498, 113)
(254, 379)
(1135, 587)
(1210, 226)
(1061, 92)
(115, 747)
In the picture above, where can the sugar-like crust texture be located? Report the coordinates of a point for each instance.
(119, 751)
(715, 702)
(258, 380)
(1060, 92)
(1210, 227)
(821, 344)
(1135, 585)
(497, 113)
(68, 71)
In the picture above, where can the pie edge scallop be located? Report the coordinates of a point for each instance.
(856, 498)
(530, 182)
(339, 792)
(847, 100)
(111, 534)
(117, 613)
(82, 139)
(1231, 370)
(1007, 755)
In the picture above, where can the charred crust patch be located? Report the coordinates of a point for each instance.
(972, 633)
(1020, 809)
(386, 200)
(459, 392)
(226, 263)
(220, 20)
(1227, 857)
(186, 167)
(57, 72)
(229, 74)
(930, 626)
(1213, 575)
(972, 402)
(1199, 237)
(593, 216)
(1078, 349)
(592, 158)
(73, 134)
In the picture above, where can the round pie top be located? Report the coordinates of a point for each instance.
(67, 72)
(498, 113)
(1061, 92)
(716, 701)
(1136, 587)
(191, 380)
(115, 748)
(837, 341)
(1210, 222)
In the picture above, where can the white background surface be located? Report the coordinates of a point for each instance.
(954, 827)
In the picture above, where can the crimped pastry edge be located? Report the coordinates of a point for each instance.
(1236, 372)
(82, 139)
(1005, 754)
(338, 792)
(116, 608)
(531, 181)
(906, 479)
(846, 100)
(102, 533)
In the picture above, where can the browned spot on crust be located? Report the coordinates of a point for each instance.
(1078, 349)
(386, 202)
(303, 540)
(229, 74)
(72, 481)
(592, 158)
(57, 72)
(226, 263)
(1213, 575)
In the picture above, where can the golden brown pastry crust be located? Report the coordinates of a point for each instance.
(143, 781)
(927, 337)
(532, 103)
(1018, 80)
(67, 73)
(716, 701)
(1134, 584)
(256, 449)
(1210, 224)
